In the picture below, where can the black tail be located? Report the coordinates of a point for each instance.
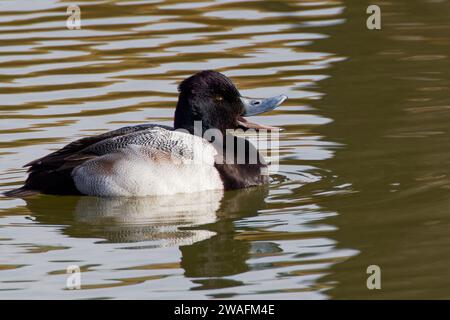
(21, 192)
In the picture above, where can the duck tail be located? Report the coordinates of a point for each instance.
(20, 192)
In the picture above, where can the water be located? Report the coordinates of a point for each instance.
(364, 157)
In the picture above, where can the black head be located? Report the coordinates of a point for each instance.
(212, 98)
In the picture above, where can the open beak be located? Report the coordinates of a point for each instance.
(254, 106)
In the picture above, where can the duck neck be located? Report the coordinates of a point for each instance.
(185, 116)
(188, 118)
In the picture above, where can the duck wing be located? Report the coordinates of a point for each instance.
(156, 137)
(55, 159)
(52, 173)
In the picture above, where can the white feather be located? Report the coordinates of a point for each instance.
(138, 170)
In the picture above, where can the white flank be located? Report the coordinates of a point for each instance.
(143, 171)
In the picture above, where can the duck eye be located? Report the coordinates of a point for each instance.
(219, 98)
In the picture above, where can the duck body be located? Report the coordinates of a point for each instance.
(150, 159)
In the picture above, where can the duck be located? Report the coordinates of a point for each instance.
(199, 153)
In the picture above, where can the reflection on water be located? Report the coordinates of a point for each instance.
(363, 173)
(157, 219)
(216, 243)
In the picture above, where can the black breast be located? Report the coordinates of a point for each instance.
(240, 169)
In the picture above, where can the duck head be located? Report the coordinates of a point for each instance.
(213, 99)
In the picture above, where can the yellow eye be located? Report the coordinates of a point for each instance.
(219, 98)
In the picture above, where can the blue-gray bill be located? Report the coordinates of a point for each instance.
(254, 106)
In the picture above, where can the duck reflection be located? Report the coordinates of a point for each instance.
(159, 219)
(222, 254)
(201, 224)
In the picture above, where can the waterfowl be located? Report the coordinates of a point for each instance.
(151, 159)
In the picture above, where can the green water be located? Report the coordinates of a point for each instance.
(364, 159)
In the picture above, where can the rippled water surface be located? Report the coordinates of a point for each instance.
(364, 158)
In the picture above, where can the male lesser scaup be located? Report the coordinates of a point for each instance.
(154, 159)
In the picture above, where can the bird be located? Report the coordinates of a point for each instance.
(198, 153)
